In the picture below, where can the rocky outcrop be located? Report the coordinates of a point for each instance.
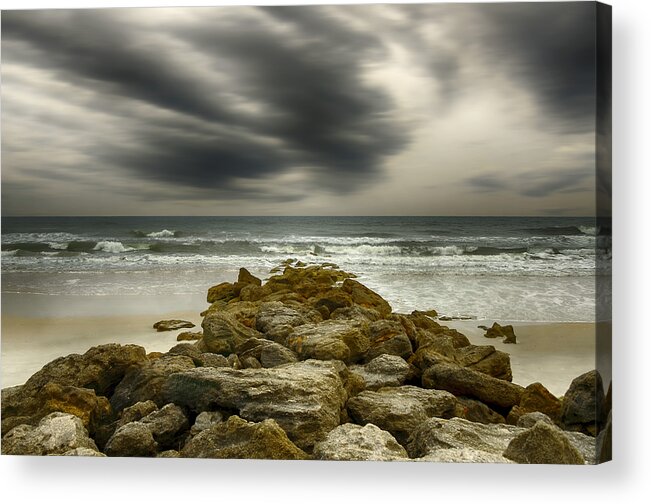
(399, 410)
(309, 364)
(238, 439)
(583, 404)
(306, 398)
(189, 336)
(499, 331)
(354, 442)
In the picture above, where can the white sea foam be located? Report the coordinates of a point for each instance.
(589, 230)
(113, 247)
(165, 233)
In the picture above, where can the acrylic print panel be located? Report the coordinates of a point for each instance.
(354, 232)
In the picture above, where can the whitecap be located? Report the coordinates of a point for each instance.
(165, 233)
(114, 247)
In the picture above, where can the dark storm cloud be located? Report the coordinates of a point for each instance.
(550, 47)
(312, 104)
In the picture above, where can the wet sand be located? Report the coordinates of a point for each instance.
(28, 344)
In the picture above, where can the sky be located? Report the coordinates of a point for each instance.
(423, 109)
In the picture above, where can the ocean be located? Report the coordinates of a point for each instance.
(501, 268)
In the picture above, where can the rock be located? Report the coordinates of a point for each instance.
(306, 398)
(388, 337)
(213, 360)
(245, 277)
(101, 368)
(365, 297)
(467, 382)
(331, 300)
(354, 442)
(222, 333)
(582, 402)
(477, 411)
(204, 420)
(131, 440)
(189, 336)
(485, 359)
(464, 455)
(528, 420)
(224, 292)
(399, 410)
(21, 407)
(83, 452)
(238, 439)
(275, 314)
(146, 381)
(427, 313)
(543, 444)
(536, 398)
(499, 331)
(166, 425)
(346, 341)
(57, 433)
(384, 371)
(172, 325)
(440, 434)
(234, 361)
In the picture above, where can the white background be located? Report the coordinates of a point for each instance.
(71, 479)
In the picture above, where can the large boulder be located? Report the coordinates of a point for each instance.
(536, 398)
(346, 341)
(204, 420)
(388, 337)
(19, 407)
(222, 333)
(224, 292)
(238, 439)
(543, 444)
(583, 404)
(354, 442)
(365, 297)
(57, 433)
(305, 398)
(467, 382)
(384, 371)
(101, 368)
(145, 382)
(246, 277)
(399, 410)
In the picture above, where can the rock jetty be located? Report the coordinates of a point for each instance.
(309, 364)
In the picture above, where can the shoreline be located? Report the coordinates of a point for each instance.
(552, 353)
